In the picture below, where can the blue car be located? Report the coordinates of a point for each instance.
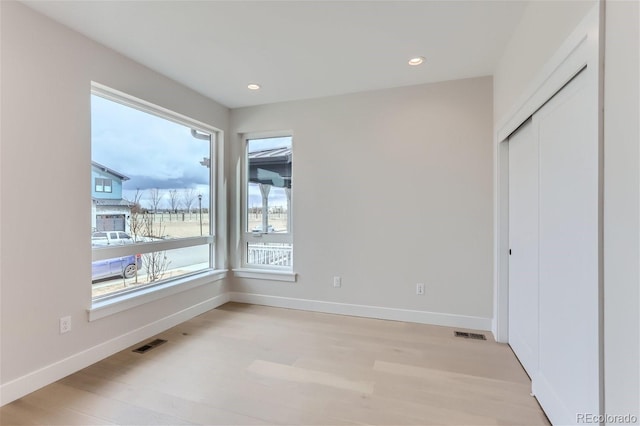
(125, 266)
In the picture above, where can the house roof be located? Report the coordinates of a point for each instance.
(271, 167)
(271, 155)
(111, 202)
(110, 171)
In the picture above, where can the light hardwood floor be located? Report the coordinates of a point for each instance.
(247, 364)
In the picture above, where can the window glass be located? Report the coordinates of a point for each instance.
(269, 165)
(136, 271)
(267, 216)
(157, 189)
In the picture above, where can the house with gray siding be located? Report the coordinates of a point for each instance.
(109, 211)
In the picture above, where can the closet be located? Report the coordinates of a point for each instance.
(554, 251)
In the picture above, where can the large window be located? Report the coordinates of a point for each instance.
(152, 204)
(267, 238)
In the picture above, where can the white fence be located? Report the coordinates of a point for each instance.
(274, 255)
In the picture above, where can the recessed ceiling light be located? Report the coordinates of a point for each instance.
(253, 86)
(416, 61)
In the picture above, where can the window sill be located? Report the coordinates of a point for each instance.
(263, 274)
(122, 303)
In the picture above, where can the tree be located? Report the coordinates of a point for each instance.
(188, 199)
(144, 227)
(135, 222)
(155, 196)
(174, 200)
(135, 202)
(156, 262)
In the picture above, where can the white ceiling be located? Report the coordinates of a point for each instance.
(297, 49)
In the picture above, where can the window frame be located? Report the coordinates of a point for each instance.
(147, 292)
(100, 182)
(252, 270)
(104, 185)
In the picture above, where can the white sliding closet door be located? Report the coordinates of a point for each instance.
(567, 380)
(554, 266)
(523, 245)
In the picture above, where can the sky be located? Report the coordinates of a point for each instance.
(157, 153)
(268, 143)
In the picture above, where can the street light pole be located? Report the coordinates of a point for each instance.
(200, 205)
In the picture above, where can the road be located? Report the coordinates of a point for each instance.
(179, 258)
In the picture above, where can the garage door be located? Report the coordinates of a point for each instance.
(110, 222)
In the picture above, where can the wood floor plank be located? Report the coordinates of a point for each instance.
(155, 400)
(31, 411)
(90, 404)
(303, 375)
(252, 365)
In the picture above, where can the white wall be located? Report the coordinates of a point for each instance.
(390, 188)
(622, 213)
(45, 216)
(543, 27)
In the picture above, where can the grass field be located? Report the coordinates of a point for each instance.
(188, 225)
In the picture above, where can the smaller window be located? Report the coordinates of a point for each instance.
(103, 185)
(267, 235)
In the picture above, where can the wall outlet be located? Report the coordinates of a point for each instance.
(337, 281)
(65, 325)
(420, 288)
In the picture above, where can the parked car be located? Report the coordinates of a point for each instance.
(125, 266)
(258, 228)
(107, 238)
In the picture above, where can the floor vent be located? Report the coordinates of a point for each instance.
(146, 348)
(476, 336)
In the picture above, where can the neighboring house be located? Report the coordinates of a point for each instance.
(109, 211)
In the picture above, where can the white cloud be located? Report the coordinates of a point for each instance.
(152, 151)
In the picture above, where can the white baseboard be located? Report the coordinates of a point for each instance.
(494, 331)
(33, 381)
(422, 317)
